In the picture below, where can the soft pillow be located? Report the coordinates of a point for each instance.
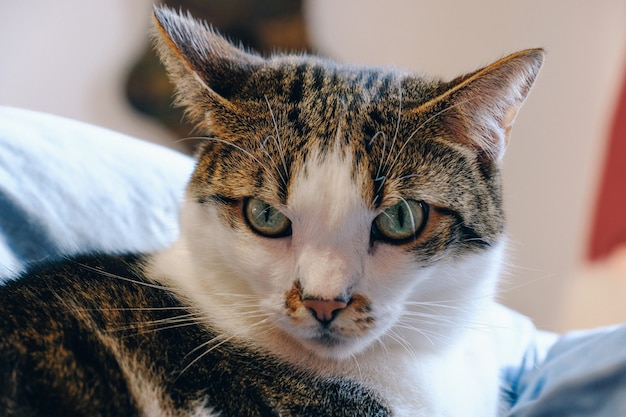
(68, 187)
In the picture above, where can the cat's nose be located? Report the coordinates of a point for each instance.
(324, 310)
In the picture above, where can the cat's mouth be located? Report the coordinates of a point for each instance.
(329, 327)
(328, 339)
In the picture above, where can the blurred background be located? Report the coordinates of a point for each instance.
(90, 61)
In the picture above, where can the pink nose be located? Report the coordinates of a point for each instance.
(324, 310)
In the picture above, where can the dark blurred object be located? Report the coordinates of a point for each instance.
(265, 26)
(609, 223)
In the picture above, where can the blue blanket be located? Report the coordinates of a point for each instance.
(50, 206)
(68, 187)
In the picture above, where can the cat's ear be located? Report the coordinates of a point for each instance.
(207, 69)
(480, 108)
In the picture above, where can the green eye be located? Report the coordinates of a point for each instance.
(265, 219)
(401, 222)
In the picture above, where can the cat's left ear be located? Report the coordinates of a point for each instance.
(207, 69)
(479, 108)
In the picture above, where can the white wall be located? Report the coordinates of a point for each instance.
(551, 168)
(68, 57)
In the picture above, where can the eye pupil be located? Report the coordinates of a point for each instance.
(401, 216)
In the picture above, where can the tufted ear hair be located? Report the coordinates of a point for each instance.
(208, 70)
(479, 108)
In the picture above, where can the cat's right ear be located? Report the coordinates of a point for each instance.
(480, 107)
(206, 68)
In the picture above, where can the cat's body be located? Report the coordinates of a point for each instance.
(340, 245)
(103, 345)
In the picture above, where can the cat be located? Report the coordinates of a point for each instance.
(341, 241)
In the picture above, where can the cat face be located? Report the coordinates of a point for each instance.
(349, 203)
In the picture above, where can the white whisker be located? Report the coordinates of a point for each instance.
(186, 318)
(278, 143)
(121, 278)
(356, 364)
(403, 343)
(395, 135)
(134, 309)
(382, 155)
(420, 127)
(160, 329)
(224, 339)
(225, 142)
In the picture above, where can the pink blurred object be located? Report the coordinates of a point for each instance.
(609, 223)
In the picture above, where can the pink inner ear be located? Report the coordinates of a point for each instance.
(483, 104)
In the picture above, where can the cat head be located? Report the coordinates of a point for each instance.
(349, 203)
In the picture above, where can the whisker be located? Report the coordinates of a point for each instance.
(408, 209)
(159, 329)
(381, 164)
(357, 365)
(234, 145)
(431, 321)
(508, 288)
(121, 278)
(225, 142)
(282, 176)
(436, 306)
(134, 309)
(224, 338)
(373, 138)
(385, 347)
(455, 303)
(403, 343)
(430, 335)
(155, 323)
(395, 135)
(278, 142)
(234, 294)
(406, 177)
(262, 146)
(179, 140)
(420, 127)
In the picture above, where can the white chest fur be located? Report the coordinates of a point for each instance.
(461, 381)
